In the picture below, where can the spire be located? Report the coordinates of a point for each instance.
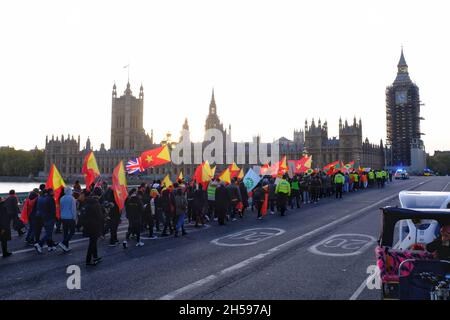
(128, 90)
(402, 61)
(186, 125)
(212, 105)
(141, 92)
(402, 71)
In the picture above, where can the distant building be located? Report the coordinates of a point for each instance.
(128, 140)
(403, 122)
(348, 147)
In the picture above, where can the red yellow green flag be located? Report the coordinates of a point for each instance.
(56, 182)
(119, 185)
(234, 170)
(90, 170)
(180, 176)
(241, 174)
(155, 157)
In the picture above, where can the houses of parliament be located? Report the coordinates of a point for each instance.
(129, 139)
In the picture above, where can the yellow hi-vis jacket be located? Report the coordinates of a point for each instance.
(283, 187)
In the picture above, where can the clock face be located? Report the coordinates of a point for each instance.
(400, 97)
(403, 69)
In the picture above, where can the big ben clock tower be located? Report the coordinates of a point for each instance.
(403, 118)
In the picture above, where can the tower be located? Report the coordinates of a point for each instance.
(212, 121)
(402, 116)
(127, 114)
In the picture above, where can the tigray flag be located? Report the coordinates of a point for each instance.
(251, 179)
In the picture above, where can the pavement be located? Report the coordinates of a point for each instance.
(320, 251)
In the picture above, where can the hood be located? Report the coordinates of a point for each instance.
(68, 191)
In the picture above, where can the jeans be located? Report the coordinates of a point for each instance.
(68, 230)
(48, 227)
(305, 196)
(31, 229)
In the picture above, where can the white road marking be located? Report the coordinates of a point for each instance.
(356, 238)
(248, 237)
(292, 242)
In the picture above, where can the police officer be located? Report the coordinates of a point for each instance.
(283, 191)
(339, 180)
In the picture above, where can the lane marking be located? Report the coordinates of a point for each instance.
(344, 242)
(287, 244)
(247, 237)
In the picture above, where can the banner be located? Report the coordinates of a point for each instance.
(251, 179)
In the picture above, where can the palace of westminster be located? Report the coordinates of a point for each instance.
(404, 146)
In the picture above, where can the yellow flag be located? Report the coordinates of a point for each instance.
(180, 176)
(225, 176)
(241, 174)
(166, 181)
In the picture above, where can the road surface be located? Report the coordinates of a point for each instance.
(320, 251)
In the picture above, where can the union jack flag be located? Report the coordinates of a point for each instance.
(134, 166)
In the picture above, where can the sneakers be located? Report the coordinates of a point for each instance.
(234, 219)
(260, 218)
(140, 244)
(125, 244)
(271, 212)
(63, 247)
(38, 248)
(153, 237)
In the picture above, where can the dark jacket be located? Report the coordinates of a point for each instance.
(234, 192)
(258, 194)
(181, 204)
(200, 199)
(168, 202)
(135, 209)
(46, 208)
(222, 198)
(5, 223)
(93, 217)
(244, 194)
(12, 206)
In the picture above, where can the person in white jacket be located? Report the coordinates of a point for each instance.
(68, 207)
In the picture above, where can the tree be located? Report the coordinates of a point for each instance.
(20, 162)
(439, 162)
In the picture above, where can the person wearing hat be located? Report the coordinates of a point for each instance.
(93, 224)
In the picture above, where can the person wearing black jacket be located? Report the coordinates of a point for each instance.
(5, 229)
(113, 215)
(258, 199)
(168, 205)
(93, 224)
(135, 210)
(12, 207)
(200, 199)
(223, 202)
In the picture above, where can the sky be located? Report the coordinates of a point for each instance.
(272, 65)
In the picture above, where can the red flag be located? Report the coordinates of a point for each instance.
(90, 170)
(155, 157)
(119, 185)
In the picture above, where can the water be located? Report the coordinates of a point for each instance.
(18, 186)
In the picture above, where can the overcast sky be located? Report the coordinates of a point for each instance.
(272, 64)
